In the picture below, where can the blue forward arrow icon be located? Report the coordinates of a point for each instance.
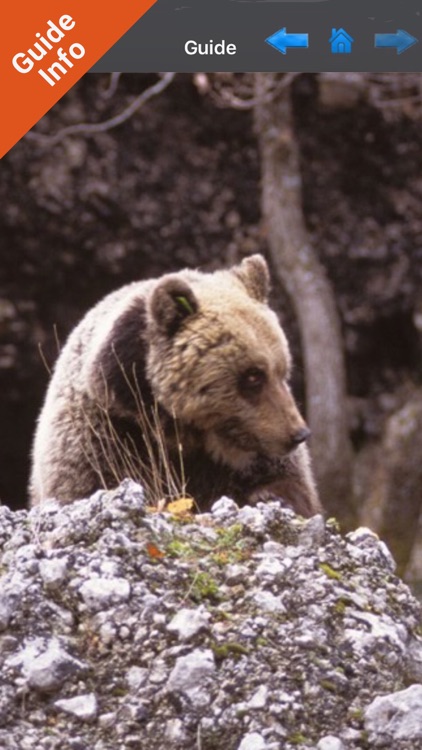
(401, 40)
(281, 40)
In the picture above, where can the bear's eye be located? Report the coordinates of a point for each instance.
(252, 381)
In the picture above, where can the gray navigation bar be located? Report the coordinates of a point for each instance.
(270, 35)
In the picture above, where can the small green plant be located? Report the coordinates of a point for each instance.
(177, 548)
(340, 607)
(356, 714)
(204, 586)
(328, 685)
(232, 546)
(297, 739)
(230, 648)
(330, 572)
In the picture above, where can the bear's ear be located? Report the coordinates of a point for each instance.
(172, 301)
(254, 275)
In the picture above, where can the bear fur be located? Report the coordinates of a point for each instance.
(191, 366)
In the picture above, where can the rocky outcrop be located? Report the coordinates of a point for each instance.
(242, 629)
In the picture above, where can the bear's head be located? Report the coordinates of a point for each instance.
(219, 361)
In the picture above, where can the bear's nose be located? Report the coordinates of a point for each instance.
(300, 436)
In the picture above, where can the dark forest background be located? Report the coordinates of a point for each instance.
(179, 183)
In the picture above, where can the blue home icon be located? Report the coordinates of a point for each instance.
(341, 42)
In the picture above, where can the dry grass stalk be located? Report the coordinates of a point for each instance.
(114, 457)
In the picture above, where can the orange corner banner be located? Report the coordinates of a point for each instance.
(46, 47)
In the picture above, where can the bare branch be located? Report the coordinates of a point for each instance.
(392, 95)
(85, 128)
(230, 90)
(235, 102)
(112, 86)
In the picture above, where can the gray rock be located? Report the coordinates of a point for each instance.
(45, 664)
(271, 568)
(53, 571)
(7, 606)
(191, 675)
(414, 659)
(259, 699)
(330, 743)
(224, 508)
(396, 717)
(236, 574)
(368, 546)
(82, 706)
(188, 622)
(253, 741)
(376, 630)
(251, 626)
(136, 677)
(269, 602)
(274, 548)
(252, 518)
(100, 592)
(175, 732)
(313, 532)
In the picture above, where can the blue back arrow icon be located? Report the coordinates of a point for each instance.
(401, 40)
(281, 40)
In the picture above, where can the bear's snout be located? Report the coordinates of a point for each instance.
(299, 437)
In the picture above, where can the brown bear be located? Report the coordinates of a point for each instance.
(181, 379)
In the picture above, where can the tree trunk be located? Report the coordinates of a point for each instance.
(394, 499)
(300, 272)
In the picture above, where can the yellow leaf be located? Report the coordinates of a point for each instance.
(181, 506)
